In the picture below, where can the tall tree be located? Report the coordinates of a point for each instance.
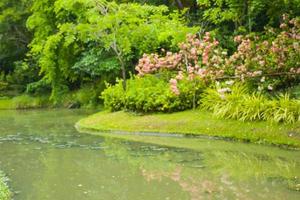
(71, 33)
(14, 37)
(247, 14)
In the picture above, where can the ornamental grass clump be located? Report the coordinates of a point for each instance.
(283, 109)
(238, 103)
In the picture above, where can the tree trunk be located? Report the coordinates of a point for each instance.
(180, 5)
(123, 74)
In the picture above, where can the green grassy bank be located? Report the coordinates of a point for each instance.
(5, 194)
(194, 122)
(71, 100)
(5, 104)
(24, 102)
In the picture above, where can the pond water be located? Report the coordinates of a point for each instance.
(46, 158)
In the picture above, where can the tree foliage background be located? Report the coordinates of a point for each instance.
(58, 46)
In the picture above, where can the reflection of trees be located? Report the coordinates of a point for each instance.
(214, 171)
(38, 122)
(211, 174)
(256, 165)
(194, 187)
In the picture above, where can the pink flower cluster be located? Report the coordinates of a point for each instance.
(197, 58)
(152, 63)
(173, 86)
(202, 58)
(255, 57)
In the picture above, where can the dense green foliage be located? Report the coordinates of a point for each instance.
(228, 18)
(264, 66)
(77, 43)
(149, 94)
(247, 15)
(92, 39)
(14, 37)
(66, 50)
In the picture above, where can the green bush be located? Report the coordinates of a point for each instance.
(85, 97)
(150, 94)
(239, 103)
(113, 96)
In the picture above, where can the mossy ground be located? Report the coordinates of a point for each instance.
(195, 122)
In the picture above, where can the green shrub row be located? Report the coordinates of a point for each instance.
(86, 97)
(152, 93)
(245, 106)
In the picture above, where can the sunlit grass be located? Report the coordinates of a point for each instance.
(5, 104)
(24, 102)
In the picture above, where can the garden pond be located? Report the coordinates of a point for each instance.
(45, 158)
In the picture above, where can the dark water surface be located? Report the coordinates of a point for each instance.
(47, 159)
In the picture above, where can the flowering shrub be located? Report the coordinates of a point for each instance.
(197, 58)
(265, 64)
(271, 63)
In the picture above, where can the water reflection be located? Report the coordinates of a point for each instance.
(47, 159)
(214, 174)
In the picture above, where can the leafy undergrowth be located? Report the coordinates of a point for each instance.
(195, 122)
(5, 194)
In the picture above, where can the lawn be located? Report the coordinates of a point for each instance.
(194, 122)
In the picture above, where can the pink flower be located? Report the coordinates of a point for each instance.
(173, 81)
(237, 39)
(201, 73)
(180, 75)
